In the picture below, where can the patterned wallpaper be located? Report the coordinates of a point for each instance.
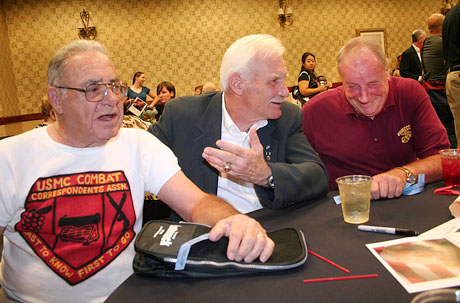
(8, 97)
(183, 41)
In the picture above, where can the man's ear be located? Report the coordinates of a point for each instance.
(55, 100)
(236, 84)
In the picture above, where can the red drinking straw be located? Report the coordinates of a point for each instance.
(341, 278)
(329, 261)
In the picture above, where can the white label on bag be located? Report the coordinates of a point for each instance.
(171, 233)
(184, 250)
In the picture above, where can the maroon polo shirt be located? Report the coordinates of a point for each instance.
(348, 143)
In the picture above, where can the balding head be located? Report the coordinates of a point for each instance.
(435, 23)
(209, 87)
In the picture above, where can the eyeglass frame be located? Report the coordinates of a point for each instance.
(106, 84)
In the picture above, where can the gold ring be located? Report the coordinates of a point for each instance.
(227, 167)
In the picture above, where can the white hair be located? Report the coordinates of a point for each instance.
(244, 51)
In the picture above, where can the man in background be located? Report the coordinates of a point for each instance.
(451, 44)
(434, 75)
(375, 124)
(49, 117)
(432, 52)
(209, 87)
(245, 144)
(411, 66)
(72, 193)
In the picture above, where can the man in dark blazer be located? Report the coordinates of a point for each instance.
(276, 162)
(411, 66)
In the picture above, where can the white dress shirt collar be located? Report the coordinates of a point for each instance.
(240, 194)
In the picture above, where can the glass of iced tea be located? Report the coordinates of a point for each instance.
(355, 197)
(451, 166)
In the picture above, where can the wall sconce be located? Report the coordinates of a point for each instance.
(88, 31)
(284, 14)
(447, 7)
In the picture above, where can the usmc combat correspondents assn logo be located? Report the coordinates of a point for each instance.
(77, 224)
(405, 133)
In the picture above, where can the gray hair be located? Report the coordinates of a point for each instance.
(360, 43)
(59, 60)
(244, 51)
(417, 34)
(208, 87)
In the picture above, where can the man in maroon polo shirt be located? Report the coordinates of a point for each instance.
(375, 124)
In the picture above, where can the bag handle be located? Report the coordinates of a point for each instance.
(184, 250)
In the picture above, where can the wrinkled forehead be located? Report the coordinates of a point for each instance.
(90, 64)
(273, 66)
(362, 59)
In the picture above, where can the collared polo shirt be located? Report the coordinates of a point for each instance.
(240, 194)
(348, 142)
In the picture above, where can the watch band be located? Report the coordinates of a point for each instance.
(410, 178)
(270, 183)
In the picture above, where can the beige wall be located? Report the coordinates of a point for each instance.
(8, 96)
(183, 41)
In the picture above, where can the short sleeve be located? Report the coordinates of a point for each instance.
(160, 162)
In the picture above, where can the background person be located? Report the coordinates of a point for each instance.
(411, 61)
(309, 86)
(165, 91)
(434, 75)
(432, 52)
(396, 72)
(84, 172)
(198, 90)
(209, 87)
(49, 117)
(245, 144)
(451, 46)
(138, 90)
(375, 124)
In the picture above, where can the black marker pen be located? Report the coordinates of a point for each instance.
(388, 230)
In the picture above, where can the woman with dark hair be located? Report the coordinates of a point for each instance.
(138, 90)
(309, 86)
(396, 72)
(165, 91)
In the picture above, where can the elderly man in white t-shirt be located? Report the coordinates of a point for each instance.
(71, 195)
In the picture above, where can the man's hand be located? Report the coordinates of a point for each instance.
(389, 184)
(247, 238)
(245, 164)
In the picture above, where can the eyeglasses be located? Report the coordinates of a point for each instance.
(95, 92)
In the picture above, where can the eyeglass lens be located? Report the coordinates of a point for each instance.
(97, 91)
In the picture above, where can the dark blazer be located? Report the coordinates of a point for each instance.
(189, 124)
(410, 66)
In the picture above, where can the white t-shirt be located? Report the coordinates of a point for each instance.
(55, 201)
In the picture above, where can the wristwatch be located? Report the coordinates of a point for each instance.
(410, 178)
(270, 183)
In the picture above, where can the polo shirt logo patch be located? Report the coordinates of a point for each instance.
(79, 223)
(405, 133)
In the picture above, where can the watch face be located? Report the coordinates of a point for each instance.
(411, 179)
